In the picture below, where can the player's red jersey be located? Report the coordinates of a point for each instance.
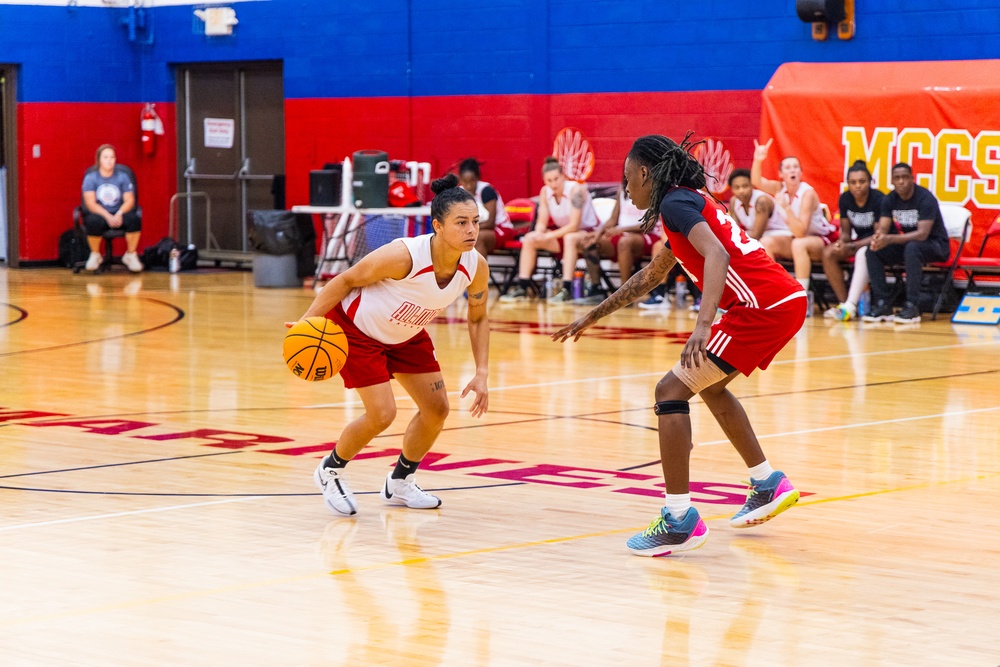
(754, 280)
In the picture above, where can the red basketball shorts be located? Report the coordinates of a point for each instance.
(749, 338)
(647, 243)
(370, 362)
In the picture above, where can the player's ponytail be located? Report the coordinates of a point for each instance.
(859, 165)
(446, 194)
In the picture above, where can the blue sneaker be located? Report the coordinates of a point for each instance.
(666, 535)
(766, 499)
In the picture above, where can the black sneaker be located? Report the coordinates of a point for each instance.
(881, 312)
(908, 315)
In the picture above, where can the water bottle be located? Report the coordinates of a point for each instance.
(681, 291)
(811, 298)
(864, 303)
(175, 260)
(578, 284)
(548, 288)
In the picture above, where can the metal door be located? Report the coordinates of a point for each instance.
(231, 133)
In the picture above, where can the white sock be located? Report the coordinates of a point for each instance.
(761, 471)
(804, 282)
(678, 504)
(859, 280)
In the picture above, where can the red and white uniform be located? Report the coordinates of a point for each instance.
(559, 212)
(747, 217)
(818, 224)
(385, 321)
(765, 306)
(502, 219)
(630, 216)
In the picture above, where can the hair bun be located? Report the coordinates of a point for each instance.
(860, 163)
(445, 183)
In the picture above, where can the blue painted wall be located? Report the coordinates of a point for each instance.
(432, 47)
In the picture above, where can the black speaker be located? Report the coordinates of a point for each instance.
(821, 11)
(325, 186)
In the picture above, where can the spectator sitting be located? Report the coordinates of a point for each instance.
(754, 209)
(619, 239)
(922, 239)
(798, 205)
(495, 228)
(109, 203)
(563, 207)
(860, 207)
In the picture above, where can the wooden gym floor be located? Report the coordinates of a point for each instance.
(158, 507)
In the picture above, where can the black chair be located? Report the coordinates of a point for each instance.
(110, 235)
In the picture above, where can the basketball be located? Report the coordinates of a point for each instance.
(315, 349)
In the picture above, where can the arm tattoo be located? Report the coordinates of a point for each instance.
(578, 199)
(639, 284)
(477, 296)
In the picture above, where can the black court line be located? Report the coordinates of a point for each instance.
(584, 417)
(239, 495)
(114, 465)
(179, 315)
(22, 314)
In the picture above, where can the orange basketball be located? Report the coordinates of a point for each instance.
(315, 349)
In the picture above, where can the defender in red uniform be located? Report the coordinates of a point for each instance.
(764, 307)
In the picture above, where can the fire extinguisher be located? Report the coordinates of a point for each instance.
(148, 125)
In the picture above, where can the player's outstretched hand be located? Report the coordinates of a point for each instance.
(478, 385)
(574, 330)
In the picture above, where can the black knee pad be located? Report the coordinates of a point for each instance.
(672, 408)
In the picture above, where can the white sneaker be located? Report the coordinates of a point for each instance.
(406, 492)
(131, 262)
(94, 261)
(337, 496)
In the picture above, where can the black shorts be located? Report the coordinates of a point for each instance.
(97, 225)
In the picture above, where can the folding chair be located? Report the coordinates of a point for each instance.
(982, 266)
(958, 222)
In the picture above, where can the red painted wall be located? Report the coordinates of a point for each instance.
(510, 134)
(68, 135)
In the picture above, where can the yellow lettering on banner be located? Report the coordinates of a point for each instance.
(961, 142)
(877, 154)
(986, 192)
(921, 140)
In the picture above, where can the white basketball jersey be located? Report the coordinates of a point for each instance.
(394, 311)
(503, 220)
(559, 212)
(628, 214)
(747, 218)
(818, 225)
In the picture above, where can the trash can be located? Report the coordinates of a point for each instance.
(371, 179)
(284, 249)
(275, 271)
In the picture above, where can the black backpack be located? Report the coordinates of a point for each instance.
(73, 248)
(157, 256)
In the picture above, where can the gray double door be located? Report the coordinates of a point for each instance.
(231, 141)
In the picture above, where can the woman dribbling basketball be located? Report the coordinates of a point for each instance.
(384, 303)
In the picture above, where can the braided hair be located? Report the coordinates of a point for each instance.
(670, 164)
(446, 194)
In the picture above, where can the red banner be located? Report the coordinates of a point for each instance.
(941, 118)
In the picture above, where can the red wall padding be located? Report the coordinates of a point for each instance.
(68, 135)
(510, 134)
